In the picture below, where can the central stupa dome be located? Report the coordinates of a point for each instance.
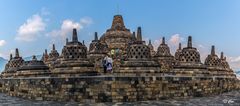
(118, 36)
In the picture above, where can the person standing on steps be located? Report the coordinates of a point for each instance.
(104, 63)
(108, 63)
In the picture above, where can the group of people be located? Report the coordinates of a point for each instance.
(107, 61)
(107, 64)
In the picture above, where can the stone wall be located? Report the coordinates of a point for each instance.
(113, 88)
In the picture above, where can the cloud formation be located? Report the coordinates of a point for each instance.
(234, 62)
(86, 21)
(67, 27)
(2, 42)
(172, 42)
(175, 40)
(5, 54)
(156, 44)
(31, 29)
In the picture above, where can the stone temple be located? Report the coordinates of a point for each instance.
(139, 72)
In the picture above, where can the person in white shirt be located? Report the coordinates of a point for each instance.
(104, 63)
(108, 63)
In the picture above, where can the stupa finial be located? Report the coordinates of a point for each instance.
(66, 41)
(10, 58)
(163, 40)
(96, 36)
(16, 53)
(133, 36)
(139, 34)
(189, 41)
(213, 50)
(46, 52)
(34, 58)
(222, 55)
(53, 48)
(180, 46)
(74, 35)
(150, 42)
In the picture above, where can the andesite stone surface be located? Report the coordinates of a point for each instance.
(139, 72)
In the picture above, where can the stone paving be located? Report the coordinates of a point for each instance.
(226, 99)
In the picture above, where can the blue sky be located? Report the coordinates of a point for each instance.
(33, 25)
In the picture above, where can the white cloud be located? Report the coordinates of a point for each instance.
(234, 62)
(172, 42)
(175, 40)
(201, 46)
(1, 55)
(67, 27)
(234, 59)
(31, 29)
(5, 54)
(2, 42)
(86, 21)
(156, 44)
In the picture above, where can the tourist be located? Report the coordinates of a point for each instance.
(108, 63)
(104, 63)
